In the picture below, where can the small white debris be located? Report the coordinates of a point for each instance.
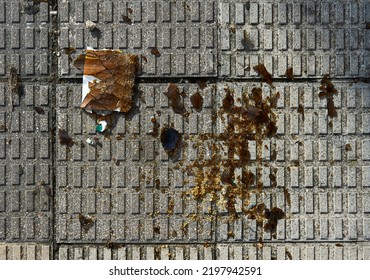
(90, 142)
(90, 25)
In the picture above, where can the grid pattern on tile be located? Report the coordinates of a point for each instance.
(314, 38)
(25, 164)
(128, 185)
(183, 33)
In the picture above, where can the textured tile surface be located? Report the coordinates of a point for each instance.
(314, 38)
(124, 197)
(25, 164)
(135, 252)
(184, 33)
(24, 38)
(25, 251)
(128, 184)
(319, 178)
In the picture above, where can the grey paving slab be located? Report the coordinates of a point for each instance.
(237, 251)
(137, 252)
(184, 33)
(25, 164)
(25, 41)
(25, 251)
(319, 166)
(124, 197)
(312, 37)
(293, 251)
(127, 183)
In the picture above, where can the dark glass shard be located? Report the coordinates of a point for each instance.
(170, 139)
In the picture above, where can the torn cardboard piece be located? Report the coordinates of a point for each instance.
(108, 80)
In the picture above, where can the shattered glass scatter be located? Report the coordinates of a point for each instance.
(217, 177)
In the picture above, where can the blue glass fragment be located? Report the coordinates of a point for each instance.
(170, 138)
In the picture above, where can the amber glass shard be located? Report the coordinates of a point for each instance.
(197, 101)
(115, 72)
(327, 90)
(262, 71)
(174, 96)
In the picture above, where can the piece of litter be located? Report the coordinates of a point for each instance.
(95, 32)
(327, 90)
(108, 80)
(101, 126)
(262, 71)
(86, 222)
(90, 25)
(170, 139)
(156, 126)
(174, 96)
(197, 101)
(64, 138)
(39, 110)
(90, 142)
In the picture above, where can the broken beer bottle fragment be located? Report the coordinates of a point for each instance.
(262, 71)
(197, 101)
(108, 81)
(289, 73)
(64, 138)
(174, 96)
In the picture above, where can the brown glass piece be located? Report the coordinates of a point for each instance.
(126, 19)
(86, 222)
(262, 71)
(289, 255)
(174, 96)
(116, 72)
(144, 58)
(69, 50)
(39, 110)
(327, 90)
(156, 127)
(157, 229)
(287, 196)
(348, 147)
(64, 138)
(289, 73)
(197, 101)
(202, 84)
(273, 216)
(155, 51)
(301, 109)
(228, 101)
